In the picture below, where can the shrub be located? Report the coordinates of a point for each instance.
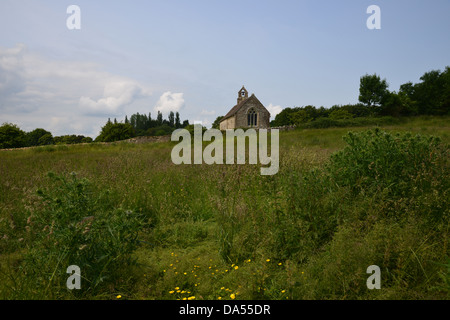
(11, 136)
(74, 227)
(377, 160)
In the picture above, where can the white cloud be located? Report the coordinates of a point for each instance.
(117, 94)
(274, 110)
(208, 113)
(36, 91)
(170, 102)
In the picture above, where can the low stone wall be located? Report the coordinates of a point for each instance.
(284, 128)
(149, 139)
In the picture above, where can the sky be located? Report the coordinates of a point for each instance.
(193, 57)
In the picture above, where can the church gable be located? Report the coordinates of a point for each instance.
(249, 112)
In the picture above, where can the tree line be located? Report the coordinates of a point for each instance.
(11, 136)
(431, 96)
(140, 125)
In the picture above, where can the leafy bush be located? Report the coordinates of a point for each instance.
(11, 136)
(377, 160)
(74, 227)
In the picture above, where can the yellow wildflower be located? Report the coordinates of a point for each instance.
(232, 296)
(119, 296)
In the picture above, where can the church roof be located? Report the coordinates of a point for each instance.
(236, 108)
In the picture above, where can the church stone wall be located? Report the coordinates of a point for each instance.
(228, 123)
(263, 118)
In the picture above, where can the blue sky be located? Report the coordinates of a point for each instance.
(193, 56)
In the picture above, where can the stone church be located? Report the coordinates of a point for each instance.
(249, 112)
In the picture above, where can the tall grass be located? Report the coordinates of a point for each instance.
(224, 231)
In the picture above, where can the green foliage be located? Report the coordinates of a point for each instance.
(11, 136)
(372, 90)
(33, 137)
(46, 139)
(160, 130)
(72, 139)
(340, 114)
(216, 123)
(115, 132)
(75, 227)
(376, 160)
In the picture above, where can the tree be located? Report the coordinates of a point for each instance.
(216, 123)
(46, 139)
(32, 137)
(171, 119)
(159, 118)
(340, 113)
(372, 90)
(115, 132)
(177, 121)
(432, 93)
(11, 136)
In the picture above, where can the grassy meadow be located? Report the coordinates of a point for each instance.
(141, 227)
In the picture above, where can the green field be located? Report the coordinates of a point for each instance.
(162, 231)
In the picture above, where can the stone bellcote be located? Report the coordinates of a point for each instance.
(242, 95)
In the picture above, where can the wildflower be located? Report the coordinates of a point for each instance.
(185, 273)
(280, 264)
(248, 260)
(183, 291)
(171, 292)
(232, 296)
(191, 298)
(177, 288)
(119, 296)
(222, 288)
(283, 291)
(220, 298)
(268, 260)
(236, 267)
